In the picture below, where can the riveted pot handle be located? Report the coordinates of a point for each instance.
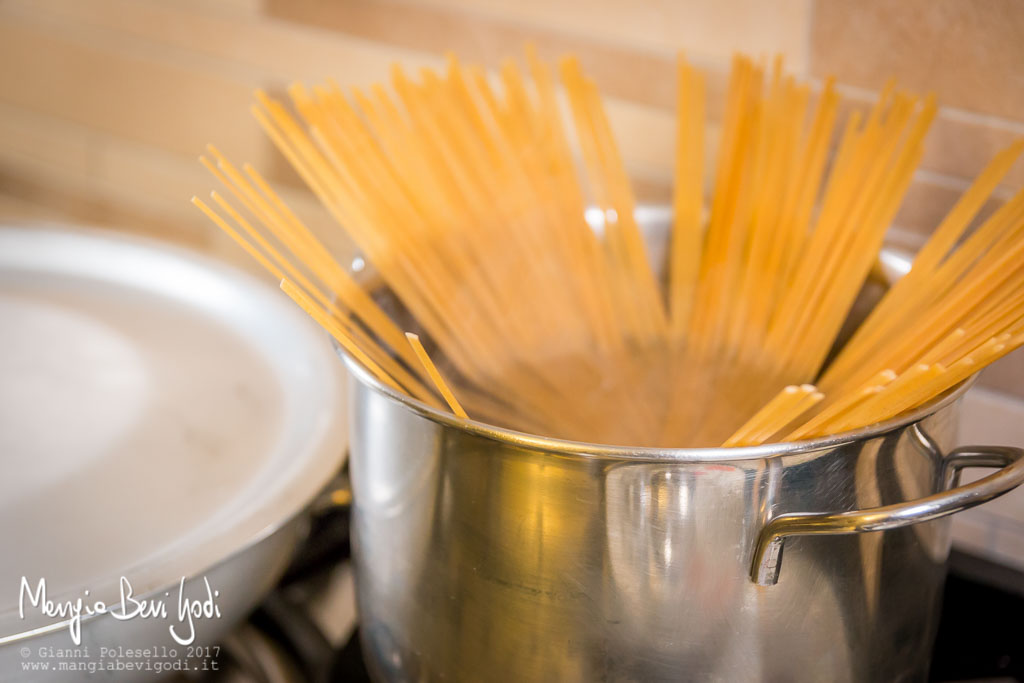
(768, 553)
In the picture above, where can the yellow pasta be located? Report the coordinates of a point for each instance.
(434, 375)
(468, 193)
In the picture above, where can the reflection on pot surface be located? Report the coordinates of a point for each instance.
(487, 555)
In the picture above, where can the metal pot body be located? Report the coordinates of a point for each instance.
(490, 557)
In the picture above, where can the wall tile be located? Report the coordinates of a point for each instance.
(1006, 374)
(488, 40)
(148, 102)
(963, 145)
(969, 52)
(927, 202)
(713, 28)
(958, 145)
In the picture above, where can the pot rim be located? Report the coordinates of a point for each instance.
(565, 447)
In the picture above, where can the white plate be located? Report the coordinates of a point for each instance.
(159, 411)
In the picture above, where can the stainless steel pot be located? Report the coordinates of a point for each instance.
(485, 554)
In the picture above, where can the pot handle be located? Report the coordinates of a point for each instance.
(767, 557)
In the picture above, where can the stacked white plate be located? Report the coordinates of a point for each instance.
(162, 416)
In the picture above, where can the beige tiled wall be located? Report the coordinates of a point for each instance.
(104, 104)
(970, 53)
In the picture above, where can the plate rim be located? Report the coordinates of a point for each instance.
(275, 510)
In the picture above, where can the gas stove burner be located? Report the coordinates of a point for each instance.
(250, 656)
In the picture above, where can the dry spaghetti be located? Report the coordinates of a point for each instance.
(468, 195)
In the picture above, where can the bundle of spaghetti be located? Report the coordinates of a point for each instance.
(959, 308)
(787, 405)
(772, 272)
(449, 171)
(468, 193)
